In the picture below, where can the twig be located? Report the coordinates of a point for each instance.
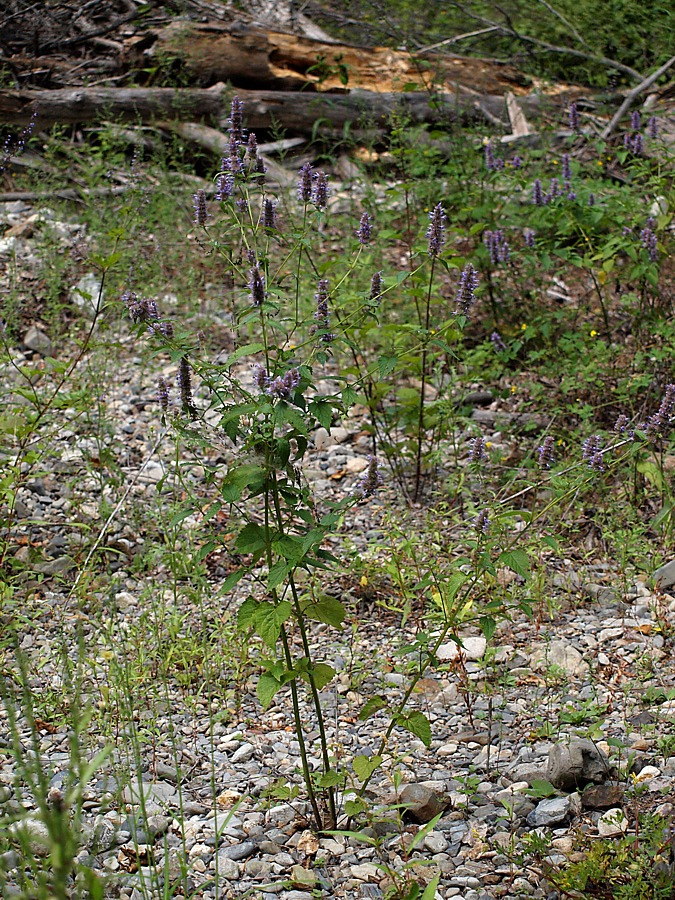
(456, 39)
(565, 21)
(632, 94)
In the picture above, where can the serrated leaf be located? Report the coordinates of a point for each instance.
(364, 766)
(250, 539)
(322, 410)
(267, 687)
(328, 610)
(278, 573)
(416, 723)
(246, 613)
(517, 560)
(370, 707)
(268, 619)
(386, 364)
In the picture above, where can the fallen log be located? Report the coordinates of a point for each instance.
(295, 113)
(257, 58)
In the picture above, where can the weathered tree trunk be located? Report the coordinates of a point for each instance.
(293, 112)
(257, 58)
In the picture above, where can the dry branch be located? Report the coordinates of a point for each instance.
(295, 112)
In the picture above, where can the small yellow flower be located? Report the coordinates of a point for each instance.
(599, 163)
(513, 388)
(555, 162)
(488, 444)
(593, 333)
(523, 327)
(364, 581)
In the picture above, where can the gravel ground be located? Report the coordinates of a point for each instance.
(181, 795)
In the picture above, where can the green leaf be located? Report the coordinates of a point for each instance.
(179, 516)
(518, 560)
(289, 547)
(232, 580)
(431, 888)
(370, 707)
(364, 766)
(246, 350)
(322, 410)
(540, 787)
(246, 614)
(330, 779)
(268, 619)
(278, 573)
(323, 674)
(267, 687)
(328, 610)
(416, 723)
(251, 538)
(386, 364)
(488, 626)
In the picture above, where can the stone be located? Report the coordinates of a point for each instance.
(85, 294)
(664, 576)
(550, 812)
(647, 773)
(239, 851)
(472, 649)
(322, 439)
(243, 753)
(613, 823)
(37, 341)
(436, 842)
(34, 832)
(562, 655)
(422, 803)
(302, 878)
(575, 763)
(602, 796)
(227, 868)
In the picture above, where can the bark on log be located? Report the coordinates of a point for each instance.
(295, 113)
(259, 58)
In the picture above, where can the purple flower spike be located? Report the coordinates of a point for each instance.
(436, 231)
(260, 377)
(653, 128)
(483, 522)
(269, 216)
(516, 162)
(224, 186)
(466, 293)
(592, 454)
(649, 242)
(573, 114)
(321, 315)
(376, 288)
(545, 453)
(235, 121)
(185, 384)
(591, 199)
(201, 209)
(365, 230)
(370, 480)
(635, 120)
(538, 193)
(252, 147)
(498, 342)
(637, 145)
(305, 183)
(530, 236)
(256, 283)
(320, 190)
(489, 157)
(163, 395)
(660, 422)
(478, 454)
(283, 385)
(621, 427)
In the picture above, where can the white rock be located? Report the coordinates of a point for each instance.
(647, 773)
(561, 654)
(473, 649)
(85, 294)
(322, 439)
(340, 434)
(366, 872)
(612, 823)
(356, 464)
